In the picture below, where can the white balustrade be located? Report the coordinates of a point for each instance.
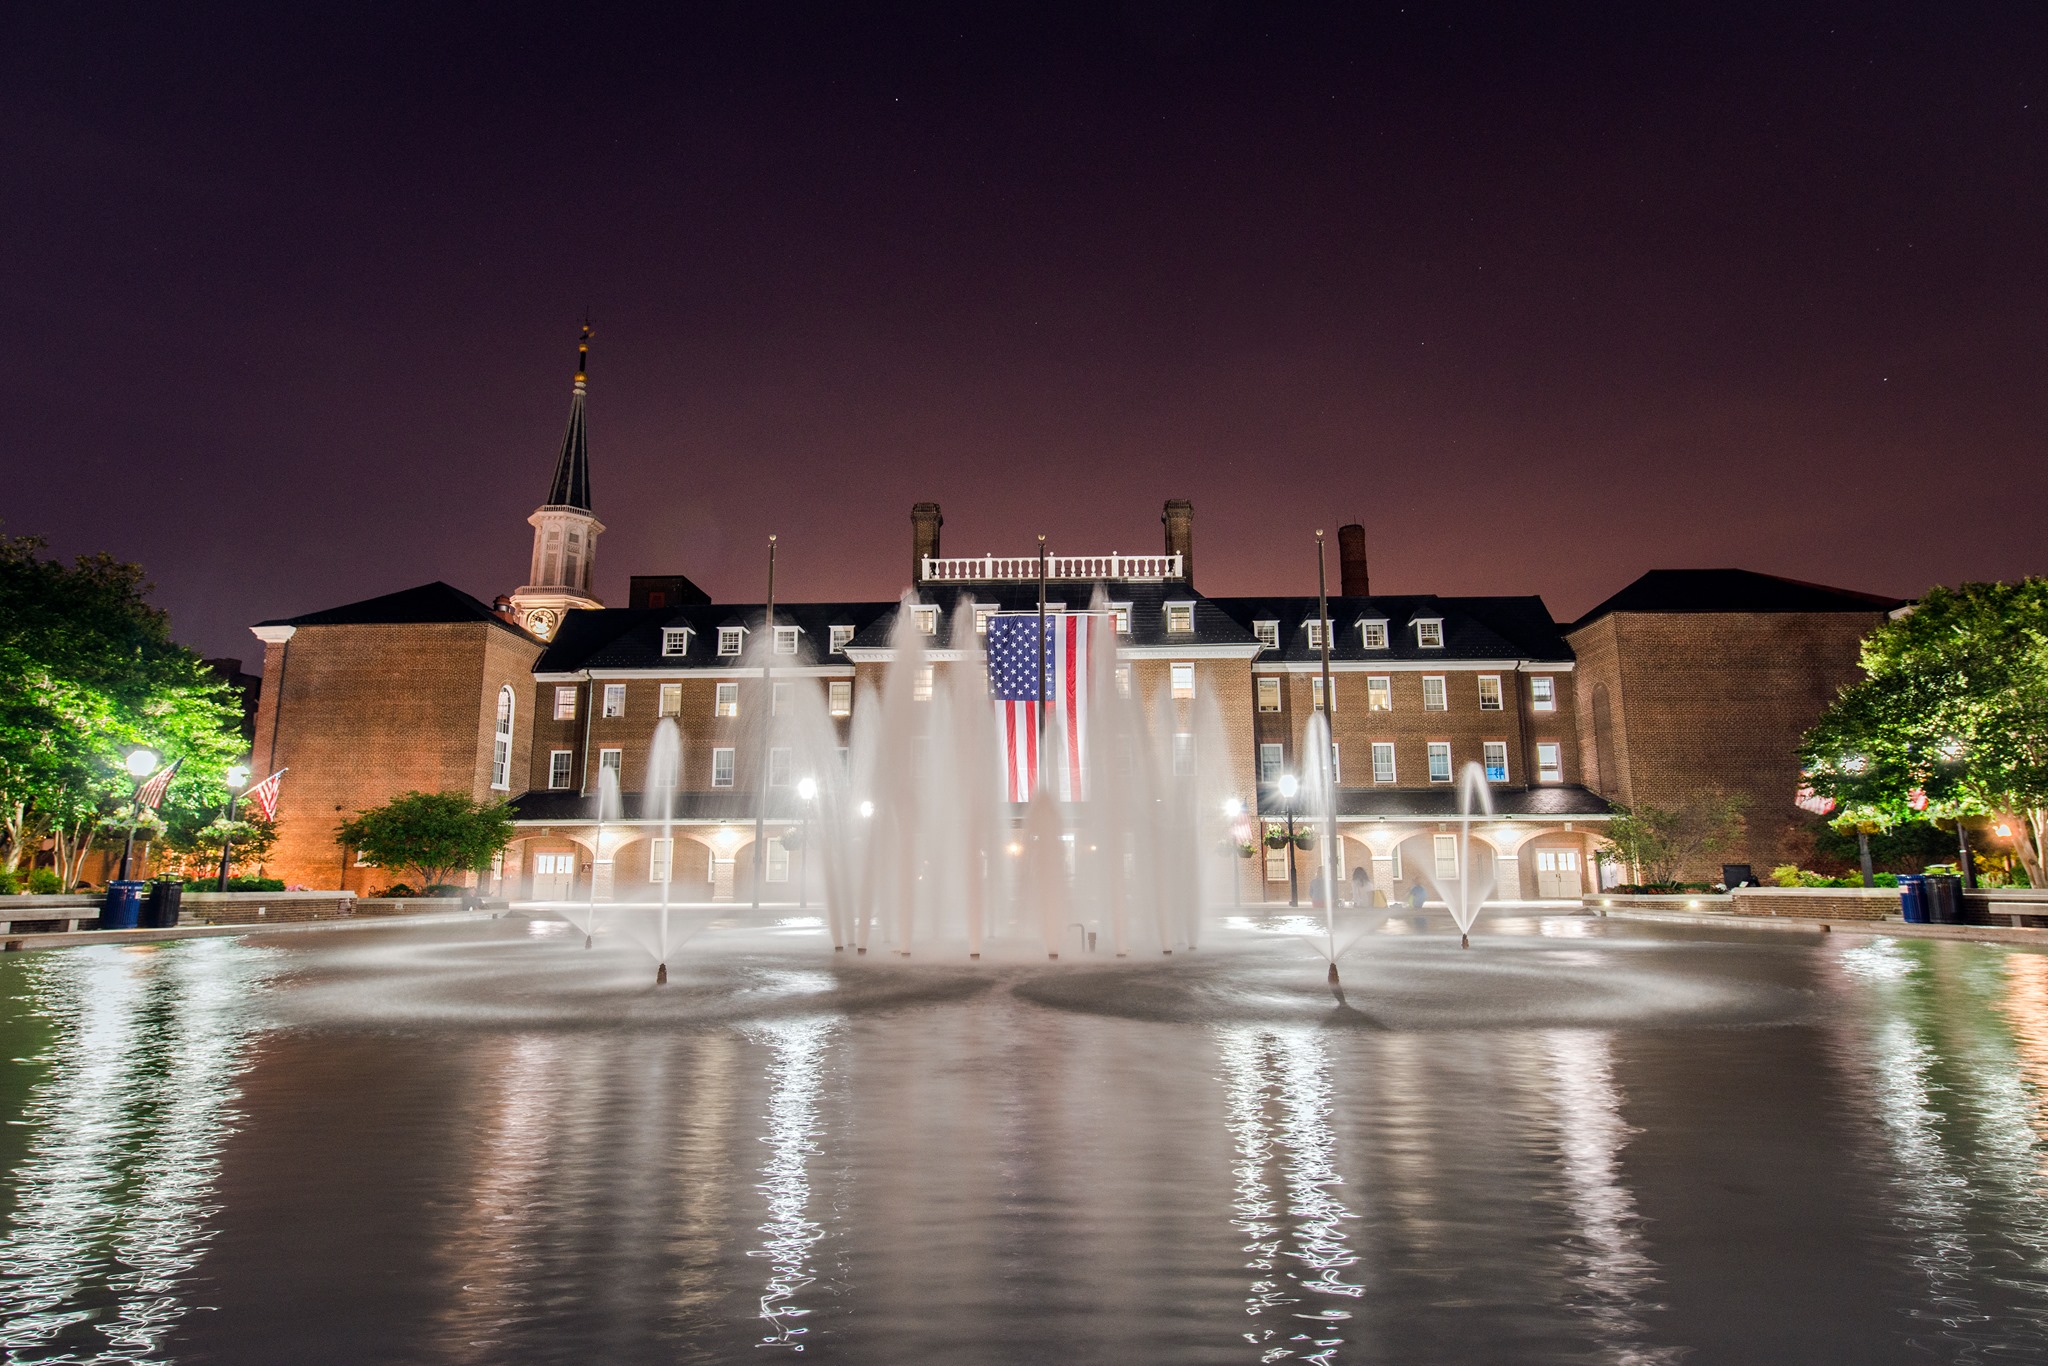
(1064, 568)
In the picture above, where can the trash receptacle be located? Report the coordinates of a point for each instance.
(1944, 899)
(166, 898)
(122, 909)
(1913, 898)
(1737, 875)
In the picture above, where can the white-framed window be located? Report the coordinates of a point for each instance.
(1180, 618)
(1120, 616)
(1434, 697)
(1446, 847)
(775, 864)
(1276, 864)
(1336, 764)
(1439, 761)
(1379, 694)
(671, 700)
(839, 696)
(1372, 634)
(1123, 680)
(842, 636)
(1382, 761)
(561, 768)
(1183, 676)
(1183, 754)
(1542, 693)
(1268, 633)
(779, 767)
(786, 638)
(1316, 691)
(613, 759)
(1549, 763)
(661, 859)
(726, 700)
(927, 619)
(675, 641)
(1315, 632)
(1494, 754)
(721, 767)
(781, 696)
(1489, 692)
(565, 704)
(1394, 864)
(921, 686)
(1272, 758)
(501, 743)
(614, 699)
(981, 615)
(731, 640)
(1269, 694)
(1429, 633)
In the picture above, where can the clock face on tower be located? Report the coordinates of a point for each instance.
(541, 621)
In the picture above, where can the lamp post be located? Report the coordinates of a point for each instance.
(1288, 789)
(140, 763)
(806, 793)
(237, 779)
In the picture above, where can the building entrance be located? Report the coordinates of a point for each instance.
(553, 876)
(1557, 874)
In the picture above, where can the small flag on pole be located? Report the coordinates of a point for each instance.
(151, 793)
(1072, 640)
(263, 796)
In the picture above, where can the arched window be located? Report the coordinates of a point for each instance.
(501, 744)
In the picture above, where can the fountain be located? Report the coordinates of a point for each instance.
(1468, 891)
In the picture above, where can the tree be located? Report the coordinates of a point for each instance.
(88, 670)
(1658, 843)
(436, 834)
(1950, 720)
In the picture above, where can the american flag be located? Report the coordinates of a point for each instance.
(263, 796)
(1072, 640)
(151, 793)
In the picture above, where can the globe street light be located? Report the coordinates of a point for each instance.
(807, 793)
(140, 763)
(1289, 787)
(237, 778)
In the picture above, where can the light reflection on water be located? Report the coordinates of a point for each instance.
(795, 1077)
(111, 1203)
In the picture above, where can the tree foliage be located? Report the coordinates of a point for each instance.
(1950, 720)
(88, 671)
(436, 834)
(1658, 843)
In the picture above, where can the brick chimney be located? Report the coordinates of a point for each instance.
(1353, 580)
(1179, 520)
(925, 522)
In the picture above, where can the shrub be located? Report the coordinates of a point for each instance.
(235, 884)
(395, 889)
(10, 883)
(44, 882)
(446, 889)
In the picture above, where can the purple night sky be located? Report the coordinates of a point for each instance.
(1545, 300)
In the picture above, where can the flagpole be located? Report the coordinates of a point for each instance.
(1042, 699)
(767, 725)
(1330, 861)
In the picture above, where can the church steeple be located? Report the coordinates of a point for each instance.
(571, 488)
(564, 528)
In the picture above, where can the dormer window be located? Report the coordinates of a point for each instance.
(675, 641)
(1180, 618)
(927, 619)
(1120, 613)
(786, 638)
(1429, 633)
(1268, 633)
(730, 639)
(1372, 634)
(842, 636)
(1315, 633)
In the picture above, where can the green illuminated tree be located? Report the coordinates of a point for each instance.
(436, 834)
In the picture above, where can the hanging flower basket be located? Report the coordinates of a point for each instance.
(1304, 840)
(793, 840)
(1237, 848)
(1276, 838)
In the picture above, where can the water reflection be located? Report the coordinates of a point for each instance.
(1277, 1088)
(795, 1078)
(112, 1198)
(1616, 1274)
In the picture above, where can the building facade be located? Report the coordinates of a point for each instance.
(1687, 681)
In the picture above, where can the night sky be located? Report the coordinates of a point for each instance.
(1545, 299)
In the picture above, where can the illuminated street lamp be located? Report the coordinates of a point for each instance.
(140, 763)
(807, 793)
(1289, 789)
(237, 779)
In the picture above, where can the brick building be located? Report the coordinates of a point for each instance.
(1687, 679)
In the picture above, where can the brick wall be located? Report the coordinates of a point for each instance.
(1817, 903)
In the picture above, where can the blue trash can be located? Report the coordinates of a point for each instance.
(1913, 898)
(123, 907)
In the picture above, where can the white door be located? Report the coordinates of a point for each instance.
(1557, 874)
(552, 876)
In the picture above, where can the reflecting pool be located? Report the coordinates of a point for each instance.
(1580, 1141)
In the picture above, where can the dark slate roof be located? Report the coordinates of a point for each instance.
(430, 602)
(1732, 590)
(548, 807)
(572, 470)
(630, 638)
(1148, 600)
(1474, 628)
(1441, 802)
